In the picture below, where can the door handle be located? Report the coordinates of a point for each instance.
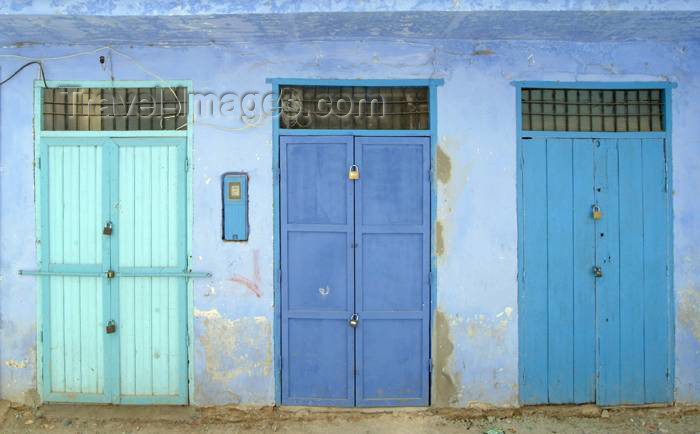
(354, 320)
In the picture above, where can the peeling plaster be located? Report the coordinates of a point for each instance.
(232, 347)
(439, 239)
(444, 165)
(689, 310)
(445, 392)
(17, 364)
(210, 314)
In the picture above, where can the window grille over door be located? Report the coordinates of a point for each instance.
(354, 108)
(608, 110)
(115, 109)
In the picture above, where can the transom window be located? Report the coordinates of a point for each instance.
(114, 109)
(354, 108)
(614, 110)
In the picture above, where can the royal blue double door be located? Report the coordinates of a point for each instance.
(595, 299)
(355, 256)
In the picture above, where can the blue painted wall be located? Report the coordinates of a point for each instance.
(475, 338)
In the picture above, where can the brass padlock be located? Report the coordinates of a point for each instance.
(597, 271)
(354, 320)
(597, 213)
(107, 230)
(111, 327)
(354, 172)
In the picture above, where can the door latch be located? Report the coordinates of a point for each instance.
(354, 320)
(597, 271)
(107, 230)
(110, 274)
(111, 327)
(597, 213)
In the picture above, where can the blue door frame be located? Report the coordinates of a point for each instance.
(432, 132)
(543, 136)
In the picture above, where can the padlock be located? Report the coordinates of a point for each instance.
(107, 230)
(111, 327)
(597, 213)
(597, 271)
(354, 172)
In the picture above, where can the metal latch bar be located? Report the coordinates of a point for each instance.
(192, 275)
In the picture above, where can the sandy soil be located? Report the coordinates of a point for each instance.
(171, 420)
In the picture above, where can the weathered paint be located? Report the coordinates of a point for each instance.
(204, 7)
(475, 346)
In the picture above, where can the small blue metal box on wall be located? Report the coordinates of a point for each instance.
(235, 209)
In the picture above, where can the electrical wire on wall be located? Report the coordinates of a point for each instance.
(39, 61)
(33, 62)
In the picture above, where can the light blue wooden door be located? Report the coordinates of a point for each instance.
(75, 256)
(392, 260)
(149, 258)
(317, 230)
(584, 338)
(633, 294)
(132, 276)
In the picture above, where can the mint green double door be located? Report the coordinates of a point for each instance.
(113, 265)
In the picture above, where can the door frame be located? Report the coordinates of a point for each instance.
(667, 86)
(432, 85)
(39, 134)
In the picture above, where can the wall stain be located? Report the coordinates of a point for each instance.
(689, 310)
(236, 347)
(446, 383)
(444, 166)
(439, 240)
(252, 284)
(483, 52)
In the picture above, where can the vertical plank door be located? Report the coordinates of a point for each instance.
(633, 294)
(557, 291)
(149, 210)
(75, 297)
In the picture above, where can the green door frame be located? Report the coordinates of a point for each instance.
(40, 137)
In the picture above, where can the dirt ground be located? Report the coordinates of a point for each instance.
(172, 420)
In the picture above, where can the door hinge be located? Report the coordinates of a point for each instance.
(38, 162)
(187, 164)
(41, 336)
(430, 367)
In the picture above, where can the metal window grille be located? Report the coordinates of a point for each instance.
(114, 109)
(358, 107)
(614, 110)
